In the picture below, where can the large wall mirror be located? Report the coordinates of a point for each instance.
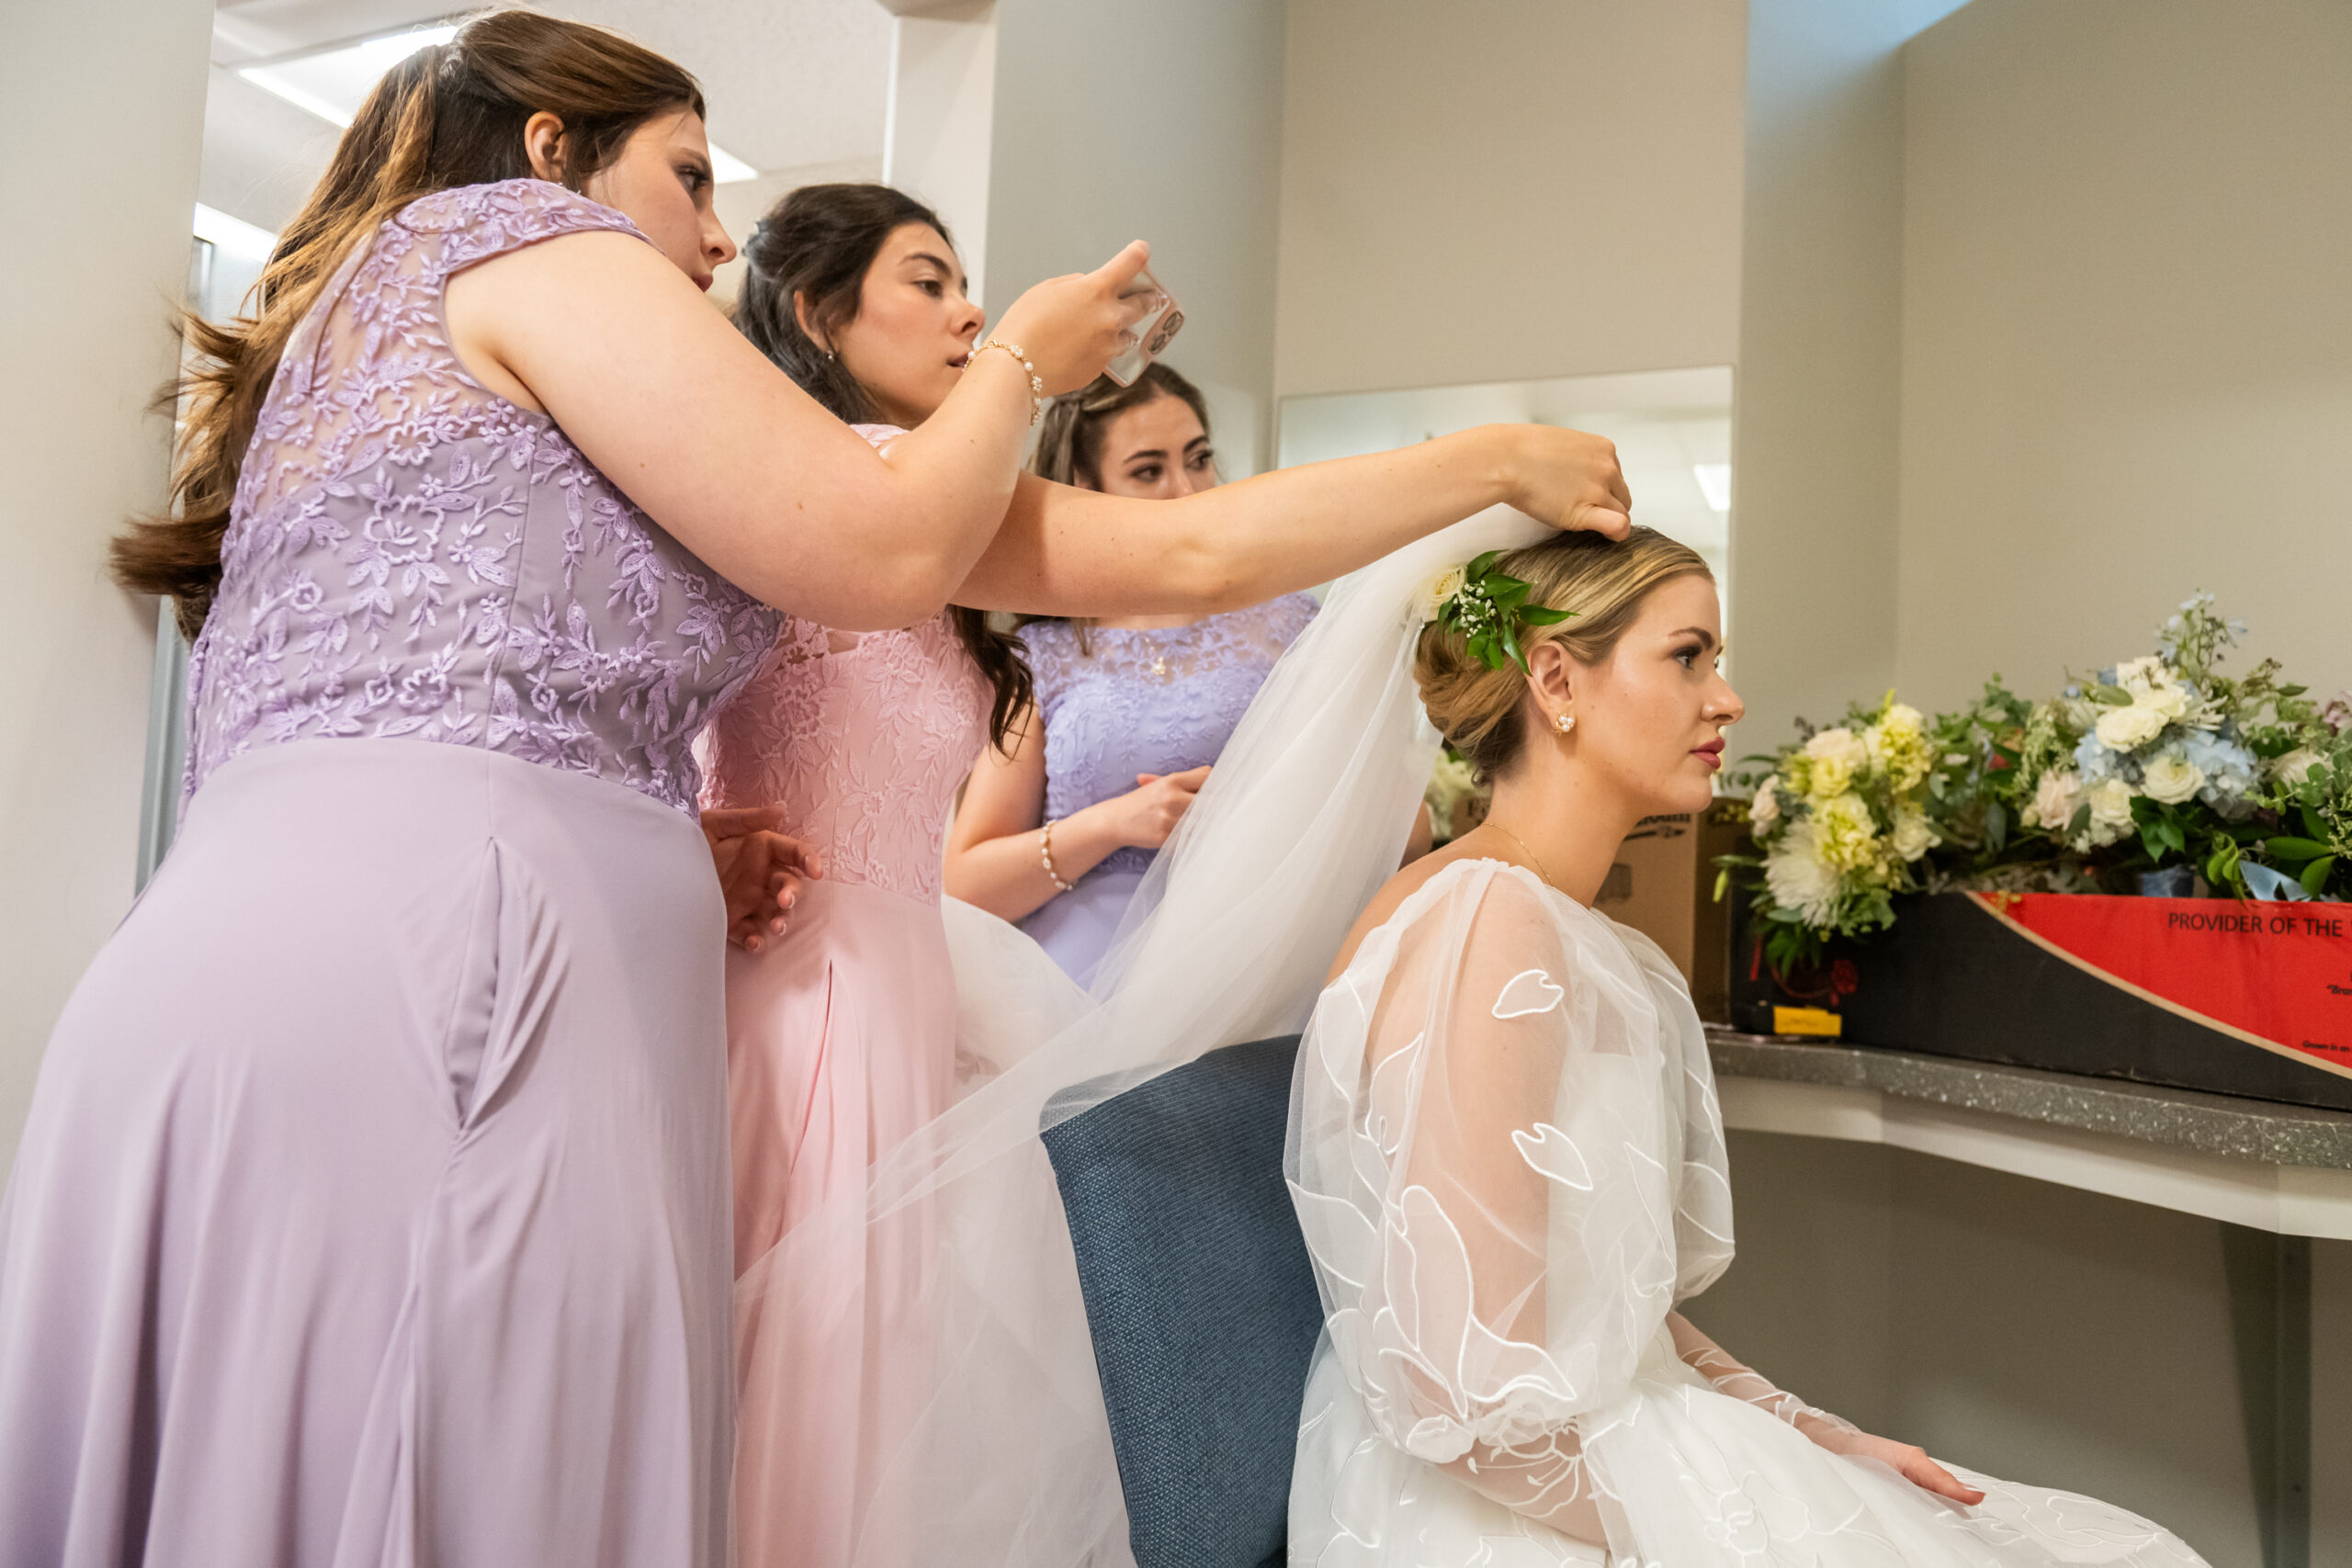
(1672, 429)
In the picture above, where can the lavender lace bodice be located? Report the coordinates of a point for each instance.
(1154, 701)
(409, 555)
(862, 739)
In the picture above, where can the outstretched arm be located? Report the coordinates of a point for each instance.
(720, 448)
(1066, 551)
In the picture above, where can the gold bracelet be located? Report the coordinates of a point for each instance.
(1046, 854)
(1037, 382)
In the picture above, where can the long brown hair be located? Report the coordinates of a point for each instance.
(817, 245)
(1070, 440)
(447, 116)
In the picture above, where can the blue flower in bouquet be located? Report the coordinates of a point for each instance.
(2228, 772)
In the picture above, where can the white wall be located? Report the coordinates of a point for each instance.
(2042, 1335)
(2127, 335)
(1814, 445)
(112, 92)
(1122, 119)
(1500, 190)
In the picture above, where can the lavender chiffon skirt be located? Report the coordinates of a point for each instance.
(1076, 927)
(374, 1209)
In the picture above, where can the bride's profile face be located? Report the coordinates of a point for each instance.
(1650, 719)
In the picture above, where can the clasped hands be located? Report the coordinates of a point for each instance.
(760, 870)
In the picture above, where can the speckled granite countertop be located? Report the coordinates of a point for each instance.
(2209, 1123)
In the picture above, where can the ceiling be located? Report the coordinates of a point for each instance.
(796, 88)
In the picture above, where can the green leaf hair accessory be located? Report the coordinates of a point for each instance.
(1488, 608)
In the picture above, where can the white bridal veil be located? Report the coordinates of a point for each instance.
(989, 1445)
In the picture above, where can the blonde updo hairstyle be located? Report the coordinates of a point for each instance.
(1482, 712)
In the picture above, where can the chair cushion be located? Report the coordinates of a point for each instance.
(1201, 1299)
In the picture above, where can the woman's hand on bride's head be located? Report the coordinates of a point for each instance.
(1072, 326)
(1906, 1460)
(1569, 480)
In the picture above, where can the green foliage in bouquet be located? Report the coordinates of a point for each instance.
(2313, 803)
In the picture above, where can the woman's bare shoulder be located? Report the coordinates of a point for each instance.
(1392, 896)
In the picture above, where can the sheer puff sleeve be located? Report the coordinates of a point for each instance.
(1505, 1161)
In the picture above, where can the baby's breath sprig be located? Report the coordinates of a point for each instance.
(1488, 610)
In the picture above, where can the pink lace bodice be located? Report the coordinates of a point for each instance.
(862, 739)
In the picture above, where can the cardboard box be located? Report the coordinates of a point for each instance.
(1664, 886)
(2251, 999)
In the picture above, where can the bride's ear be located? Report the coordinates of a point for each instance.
(1551, 682)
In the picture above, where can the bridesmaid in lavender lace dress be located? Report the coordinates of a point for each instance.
(1127, 714)
(373, 1205)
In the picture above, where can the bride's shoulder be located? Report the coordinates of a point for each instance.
(1437, 878)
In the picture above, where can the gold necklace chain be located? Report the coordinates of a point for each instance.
(1530, 855)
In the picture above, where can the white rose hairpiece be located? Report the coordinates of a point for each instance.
(1488, 608)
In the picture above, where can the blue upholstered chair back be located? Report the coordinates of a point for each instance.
(1201, 1299)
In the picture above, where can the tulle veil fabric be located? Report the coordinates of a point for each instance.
(996, 1451)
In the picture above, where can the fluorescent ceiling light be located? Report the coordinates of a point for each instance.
(333, 83)
(1714, 482)
(234, 236)
(726, 168)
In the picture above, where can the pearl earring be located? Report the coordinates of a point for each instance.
(1564, 722)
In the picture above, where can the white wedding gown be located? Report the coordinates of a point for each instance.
(1509, 1162)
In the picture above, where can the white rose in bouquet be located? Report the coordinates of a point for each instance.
(2172, 779)
(2110, 804)
(1765, 808)
(2129, 727)
(1836, 755)
(2055, 798)
(1798, 876)
(1913, 835)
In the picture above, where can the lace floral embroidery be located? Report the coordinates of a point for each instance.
(412, 555)
(1148, 701)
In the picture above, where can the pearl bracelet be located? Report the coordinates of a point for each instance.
(1046, 856)
(1037, 382)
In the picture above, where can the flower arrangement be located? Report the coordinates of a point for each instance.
(2156, 763)
(1841, 824)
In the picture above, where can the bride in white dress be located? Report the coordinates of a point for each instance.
(1507, 1160)
(1505, 1152)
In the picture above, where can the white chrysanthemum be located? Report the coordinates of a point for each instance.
(2054, 799)
(2172, 779)
(1905, 719)
(1798, 879)
(1438, 590)
(1913, 835)
(1765, 808)
(2129, 727)
(2292, 768)
(1836, 755)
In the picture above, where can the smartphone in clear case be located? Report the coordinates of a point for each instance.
(1160, 323)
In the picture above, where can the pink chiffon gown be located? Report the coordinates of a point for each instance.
(841, 1041)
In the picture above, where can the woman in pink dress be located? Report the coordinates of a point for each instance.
(843, 1035)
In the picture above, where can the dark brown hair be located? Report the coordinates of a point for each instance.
(447, 116)
(817, 245)
(1070, 440)
(1069, 437)
(1479, 710)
